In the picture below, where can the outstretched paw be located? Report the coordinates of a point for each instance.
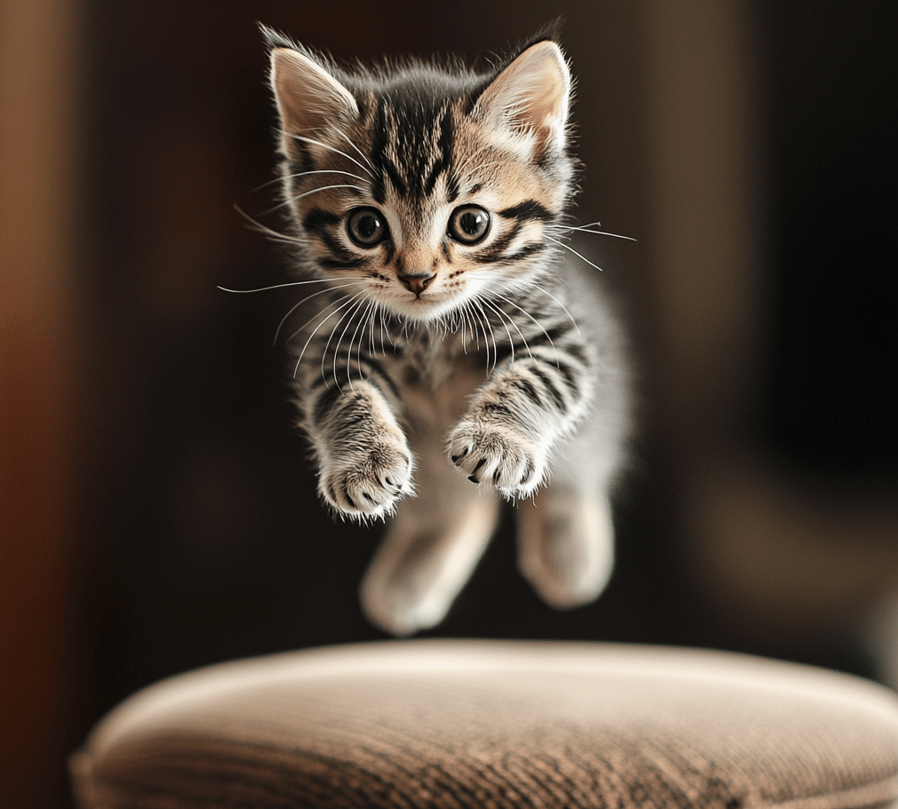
(498, 456)
(368, 483)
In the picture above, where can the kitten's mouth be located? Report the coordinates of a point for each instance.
(423, 306)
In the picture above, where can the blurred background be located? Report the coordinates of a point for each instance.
(156, 509)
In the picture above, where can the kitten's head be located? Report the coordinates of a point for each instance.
(426, 186)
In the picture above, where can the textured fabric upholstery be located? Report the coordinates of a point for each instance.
(495, 724)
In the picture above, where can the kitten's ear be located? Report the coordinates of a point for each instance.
(308, 97)
(531, 95)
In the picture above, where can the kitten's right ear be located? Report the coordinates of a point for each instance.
(531, 97)
(308, 98)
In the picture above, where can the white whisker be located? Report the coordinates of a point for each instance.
(588, 229)
(348, 316)
(504, 325)
(461, 328)
(299, 174)
(514, 323)
(476, 329)
(383, 348)
(308, 298)
(359, 325)
(470, 316)
(571, 249)
(330, 148)
(281, 237)
(302, 353)
(318, 314)
(278, 286)
(324, 171)
(361, 154)
(371, 319)
(309, 193)
(485, 324)
(563, 307)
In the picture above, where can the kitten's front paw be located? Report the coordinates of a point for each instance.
(368, 483)
(494, 454)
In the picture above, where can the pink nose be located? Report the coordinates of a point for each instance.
(416, 282)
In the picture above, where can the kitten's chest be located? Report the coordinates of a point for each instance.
(435, 379)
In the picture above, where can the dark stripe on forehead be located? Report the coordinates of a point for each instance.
(378, 146)
(528, 210)
(383, 165)
(444, 146)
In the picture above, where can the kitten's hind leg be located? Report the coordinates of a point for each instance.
(430, 550)
(566, 538)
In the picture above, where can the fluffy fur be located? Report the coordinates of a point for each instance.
(451, 354)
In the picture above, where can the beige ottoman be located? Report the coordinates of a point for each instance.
(497, 724)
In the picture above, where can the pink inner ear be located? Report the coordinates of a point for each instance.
(307, 96)
(531, 94)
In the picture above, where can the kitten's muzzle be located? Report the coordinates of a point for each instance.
(416, 282)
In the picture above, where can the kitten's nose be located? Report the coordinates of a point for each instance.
(416, 282)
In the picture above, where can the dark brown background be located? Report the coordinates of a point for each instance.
(157, 510)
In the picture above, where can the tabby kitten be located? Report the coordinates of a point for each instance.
(454, 356)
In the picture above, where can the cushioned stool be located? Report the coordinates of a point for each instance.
(496, 724)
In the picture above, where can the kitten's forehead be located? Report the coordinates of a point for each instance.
(411, 145)
(423, 151)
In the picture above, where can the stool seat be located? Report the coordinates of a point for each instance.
(437, 723)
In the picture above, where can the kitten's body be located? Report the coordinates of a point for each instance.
(450, 340)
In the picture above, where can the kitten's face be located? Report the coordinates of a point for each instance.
(420, 196)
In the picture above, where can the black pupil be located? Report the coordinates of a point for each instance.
(367, 227)
(472, 223)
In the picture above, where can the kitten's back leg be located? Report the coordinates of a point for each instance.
(565, 533)
(431, 547)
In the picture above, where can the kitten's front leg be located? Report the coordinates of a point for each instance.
(365, 466)
(506, 437)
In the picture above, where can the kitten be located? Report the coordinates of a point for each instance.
(454, 356)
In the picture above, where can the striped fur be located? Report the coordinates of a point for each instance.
(426, 204)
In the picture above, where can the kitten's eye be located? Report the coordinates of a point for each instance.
(367, 227)
(469, 224)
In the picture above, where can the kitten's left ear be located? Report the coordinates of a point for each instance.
(531, 95)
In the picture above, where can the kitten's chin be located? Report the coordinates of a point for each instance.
(423, 309)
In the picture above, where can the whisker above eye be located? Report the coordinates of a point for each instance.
(308, 193)
(330, 148)
(323, 171)
(300, 174)
(346, 137)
